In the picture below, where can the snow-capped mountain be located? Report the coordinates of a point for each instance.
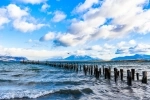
(74, 58)
(134, 57)
(80, 58)
(10, 58)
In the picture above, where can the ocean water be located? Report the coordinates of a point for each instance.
(43, 82)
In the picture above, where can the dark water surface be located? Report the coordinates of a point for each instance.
(42, 82)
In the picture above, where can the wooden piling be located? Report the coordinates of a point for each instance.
(121, 74)
(144, 78)
(133, 72)
(99, 71)
(115, 74)
(129, 78)
(103, 69)
(137, 76)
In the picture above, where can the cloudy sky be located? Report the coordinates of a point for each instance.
(41, 29)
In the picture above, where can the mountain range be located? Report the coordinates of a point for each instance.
(80, 58)
(88, 58)
(12, 59)
(134, 57)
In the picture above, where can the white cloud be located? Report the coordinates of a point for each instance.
(132, 42)
(140, 48)
(95, 47)
(33, 1)
(3, 21)
(49, 36)
(86, 5)
(59, 16)
(44, 7)
(16, 12)
(67, 39)
(31, 53)
(108, 21)
(20, 18)
(25, 26)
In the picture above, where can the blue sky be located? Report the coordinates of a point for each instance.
(42, 29)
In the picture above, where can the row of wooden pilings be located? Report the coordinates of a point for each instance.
(96, 71)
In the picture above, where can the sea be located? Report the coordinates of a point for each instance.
(44, 82)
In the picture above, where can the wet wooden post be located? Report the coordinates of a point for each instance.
(77, 68)
(144, 78)
(99, 71)
(103, 69)
(105, 73)
(133, 72)
(91, 70)
(137, 76)
(115, 74)
(121, 74)
(118, 72)
(129, 78)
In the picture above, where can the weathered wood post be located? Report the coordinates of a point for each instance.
(115, 74)
(133, 72)
(129, 78)
(121, 74)
(91, 70)
(103, 69)
(137, 76)
(118, 72)
(99, 71)
(106, 73)
(144, 78)
(77, 68)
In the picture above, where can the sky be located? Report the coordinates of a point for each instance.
(42, 29)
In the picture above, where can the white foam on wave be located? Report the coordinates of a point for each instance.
(23, 94)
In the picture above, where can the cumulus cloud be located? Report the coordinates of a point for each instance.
(25, 26)
(59, 16)
(33, 1)
(16, 12)
(106, 21)
(20, 18)
(139, 48)
(132, 42)
(44, 7)
(47, 37)
(86, 5)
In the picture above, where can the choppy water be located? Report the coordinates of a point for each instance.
(42, 82)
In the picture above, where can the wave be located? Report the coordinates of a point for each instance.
(32, 94)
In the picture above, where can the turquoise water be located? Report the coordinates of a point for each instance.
(43, 82)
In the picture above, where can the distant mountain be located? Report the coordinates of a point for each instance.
(74, 58)
(80, 58)
(134, 57)
(12, 59)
